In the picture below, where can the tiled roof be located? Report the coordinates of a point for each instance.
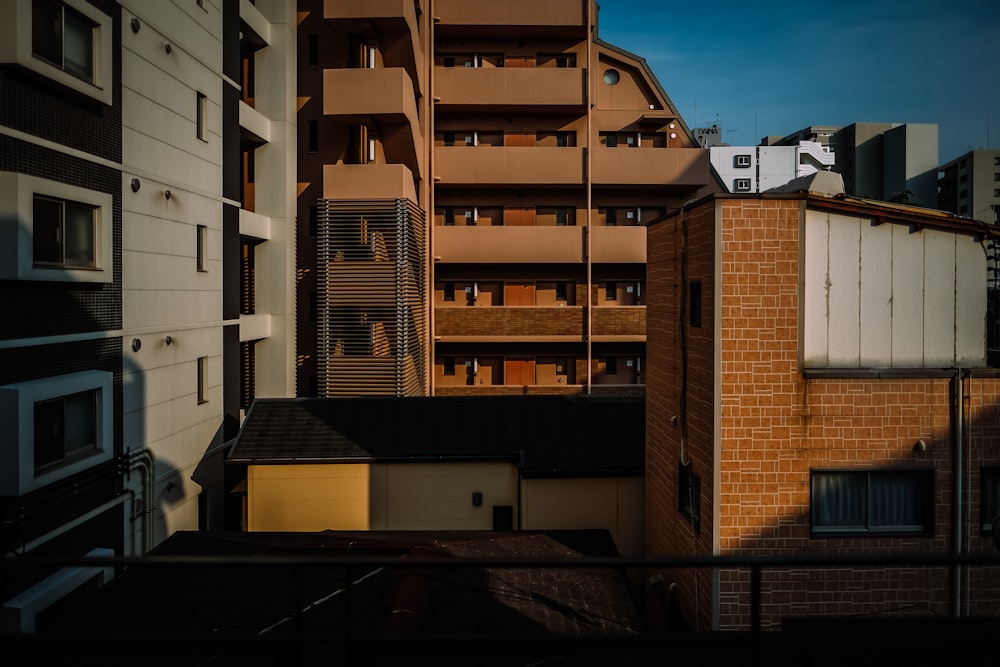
(544, 435)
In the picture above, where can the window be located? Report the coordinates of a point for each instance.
(63, 234)
(989, 499)
(741, 185)
(562, 217)
(611, 366)
(694, 302)
(202, 247)
(313, 145)
(313, 41)
(449, 291)
(611, 217)
(66, 41)
(561, 292)
(201, 117)
(448, 364)
(689, 494)
(560, 365)
(996, 176)
(449, 217)
(58, 426)
(202, 365)
(611, 140)
(612, 77)
(872, 502)
(741, 161)
(66, 233)
(611, 291)
(448, 138)
(996, 160)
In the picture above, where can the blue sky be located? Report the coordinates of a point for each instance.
(771, 68)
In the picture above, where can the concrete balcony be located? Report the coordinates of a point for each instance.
(387, 95)
(350, 182)
(518, 323)
(509, 245)
(651, 166)
(618, 245)
(511, 12)
(511, 87)
(615, 324)
(396, 23)
(496, 165)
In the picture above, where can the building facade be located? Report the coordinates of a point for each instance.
(761, 168)
(471, 215)
(969, 185)
(121, 127)
(889, 161)
(811, 419)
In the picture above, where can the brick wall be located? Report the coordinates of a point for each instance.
(774, 426)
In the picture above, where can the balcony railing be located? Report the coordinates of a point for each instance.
(498, 165)
(510, 86)
(498, 245)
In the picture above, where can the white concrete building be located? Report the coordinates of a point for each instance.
(760, 168)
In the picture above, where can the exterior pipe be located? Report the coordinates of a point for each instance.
(590, 74)
(143, 460)
(958, 547)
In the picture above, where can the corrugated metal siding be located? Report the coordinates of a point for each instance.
(372, 336)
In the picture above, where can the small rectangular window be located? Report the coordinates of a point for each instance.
(989, 499)
(449, 138)
(741, 161)
(63, 37)
(611, 140)
(562, 217)
(872, 502)
(560, 291)
(202, 249)
(611, 217)
(449, 61)
(202, 380)
(694, 302)
(66, 428)
(611, 366)
(313, 50)
(611, 291)
(741, 185)
(449, 291)
(313, 145)
(448, 364)
(560, 365)
(449, 217)
(64, 234)
(202, 116)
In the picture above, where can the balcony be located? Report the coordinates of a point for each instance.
(651, 166)
(395, 22)
(617, 324)
(386, 95)
(618, 245)
(350, 182)
(520, 323)
(513, 245)
(568, 13)
(495, 165)
(510, 87)
(351, 283)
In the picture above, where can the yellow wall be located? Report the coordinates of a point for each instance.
(308, 497)
(615, 504)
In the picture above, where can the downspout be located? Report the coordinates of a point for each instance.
(429, 49)
(958, 414)
(590, 163)
(143, 460)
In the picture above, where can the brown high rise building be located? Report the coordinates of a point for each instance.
(474, 184)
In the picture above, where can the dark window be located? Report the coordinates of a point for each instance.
(503, 517)
(202, 380)
(63, 233)
(611, 291)
(201, 117)
(561, 366)
(449, 216)
(866, 502)
(313, 221)
(611, 366)
(202, 248)
(449, 291)
(63, 37)
(449, 138)
(562, 217)
(611, 217)
(449, 365)
(65, 428)
(695, 302)
(689, 494)
(449, 61)
(611, 140)
(989, 499)
(313, 136)
(560, 291)
(313, 50)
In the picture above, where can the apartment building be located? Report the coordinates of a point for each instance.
(969, 185)
(121, 127)
(834, 398)
(889, 161)
(761, 168)
(475, 182)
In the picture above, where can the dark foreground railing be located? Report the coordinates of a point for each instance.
(387, 610)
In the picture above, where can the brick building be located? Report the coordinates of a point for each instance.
(818, 384)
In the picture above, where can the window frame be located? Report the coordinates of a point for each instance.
(16, 23)
(17, 408)
(202, 385)
(201, 250)
(989, 499)
(61, 228)
(17, 202)
(870, 529)
(447, 366)
(741, 161)
(742, 185)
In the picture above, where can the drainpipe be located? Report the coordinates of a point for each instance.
(591, 73)
(958, 415)
(143, 460)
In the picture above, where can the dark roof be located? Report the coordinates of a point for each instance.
(239, 591)
(544, 435)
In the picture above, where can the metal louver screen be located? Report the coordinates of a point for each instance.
(372, 322)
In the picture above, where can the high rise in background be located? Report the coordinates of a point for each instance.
(475, 182)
